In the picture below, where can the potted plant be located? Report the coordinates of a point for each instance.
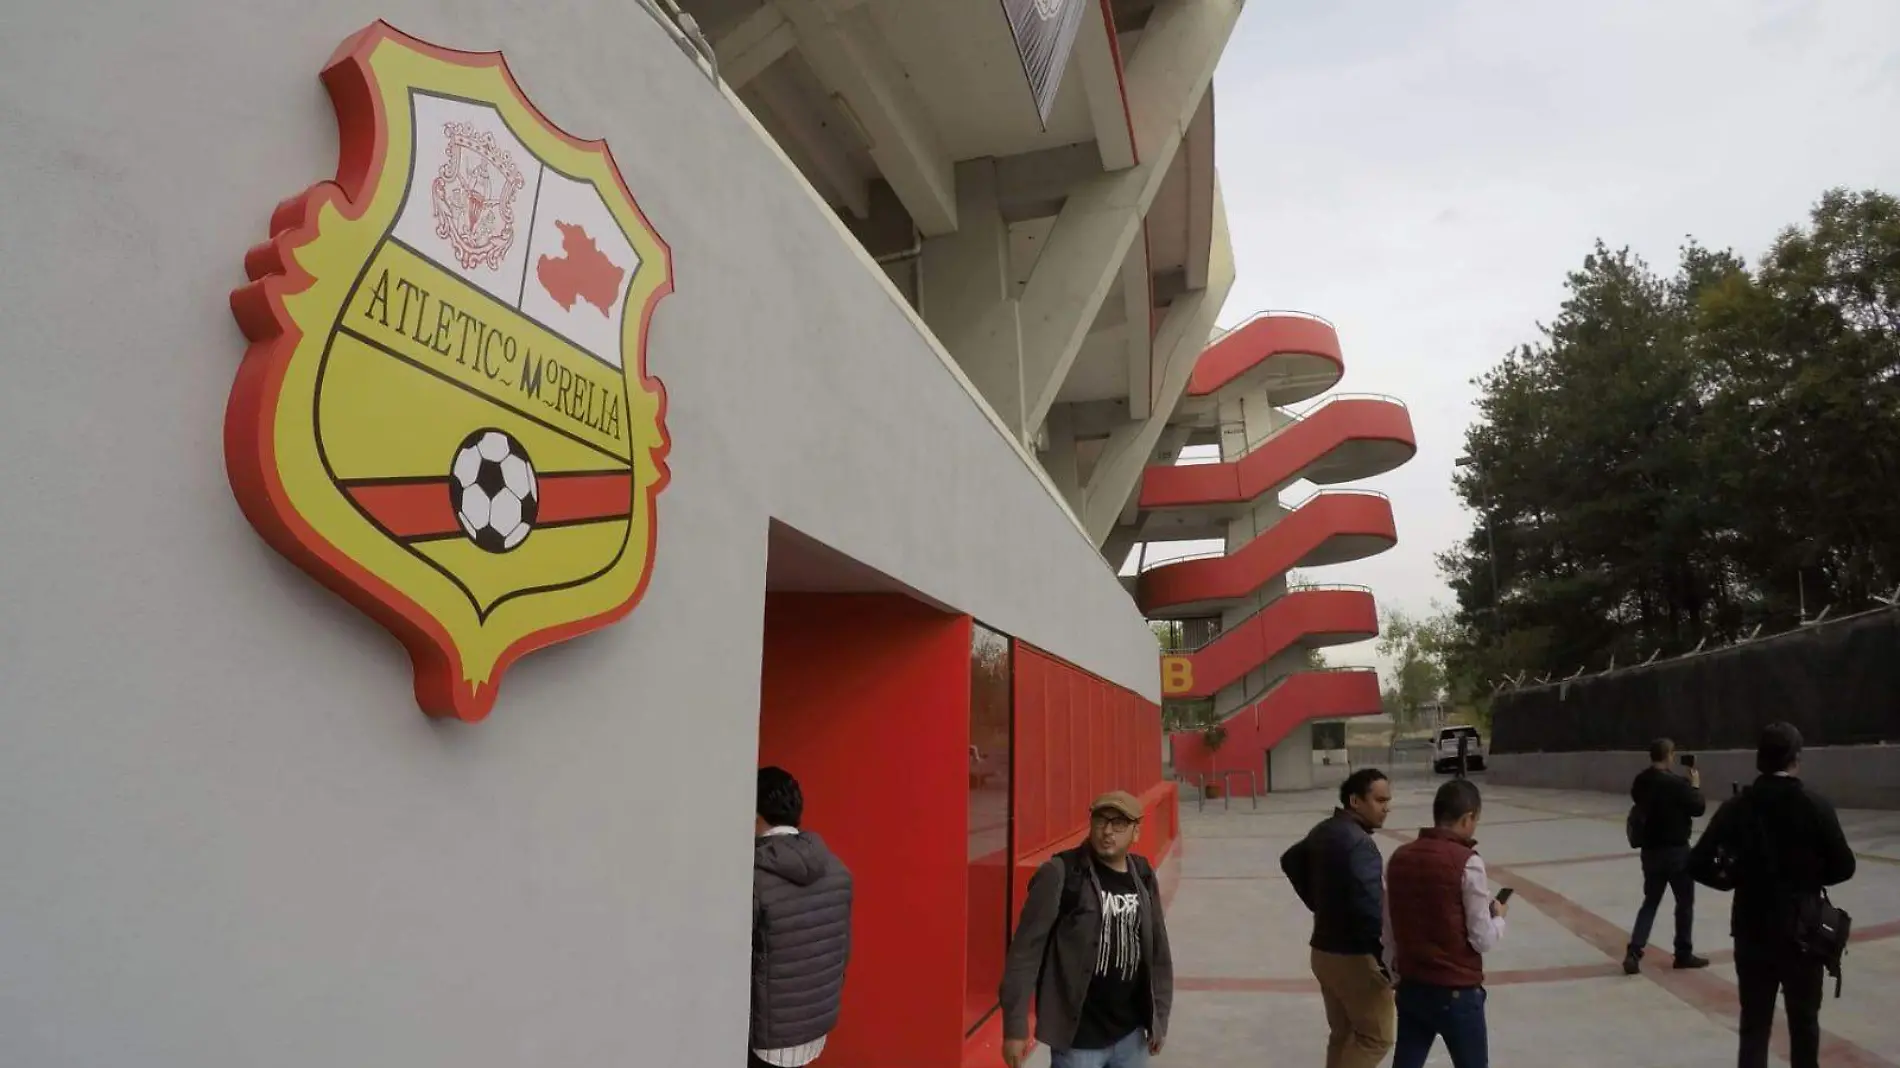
(1213, 736)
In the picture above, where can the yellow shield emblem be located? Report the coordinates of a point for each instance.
(444, 413)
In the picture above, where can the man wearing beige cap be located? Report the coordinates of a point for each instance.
(1092, 946)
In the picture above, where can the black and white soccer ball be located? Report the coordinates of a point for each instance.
(493, 490)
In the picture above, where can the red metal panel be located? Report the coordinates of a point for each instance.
(1251, 731)
(1267, 633)
(1280, 460)
(1257, 341)
(1267, 557)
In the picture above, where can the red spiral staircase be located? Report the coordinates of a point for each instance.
(1285, 358)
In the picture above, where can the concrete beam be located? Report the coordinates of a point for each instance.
(1198, 152)
(1166, 80)
(843, 52)
(1060, 457)
(1096, 53)
(966, 296)
(815, 148)
(758, 41)
(1183, 335)
(1138, 330)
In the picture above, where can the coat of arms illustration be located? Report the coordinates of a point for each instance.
(444, 413)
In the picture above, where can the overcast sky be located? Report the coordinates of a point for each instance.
(1424, 172)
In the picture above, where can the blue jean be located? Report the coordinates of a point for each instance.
(1130, 1052)
(1429, 1012)
(1666, 869)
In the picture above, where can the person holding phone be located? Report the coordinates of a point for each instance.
(1665, 806)
(1440, 920)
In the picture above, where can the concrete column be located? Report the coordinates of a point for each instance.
(1178, 344)
(1291, 762)
(1059, 459)
(966, 300)
(1166, 79)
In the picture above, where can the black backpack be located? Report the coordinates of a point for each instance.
(1636, 824)
(1821, 930)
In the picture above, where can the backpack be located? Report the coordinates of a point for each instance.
(1821, 930)
(1635, 825)
(1718, 858)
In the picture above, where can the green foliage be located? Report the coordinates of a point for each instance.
(1214, 735)
(1683, 458)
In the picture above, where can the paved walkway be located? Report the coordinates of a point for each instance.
(1559, 998)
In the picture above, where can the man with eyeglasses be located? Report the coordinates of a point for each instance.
(1092, 947)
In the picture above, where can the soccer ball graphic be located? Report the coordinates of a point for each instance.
(493, 490)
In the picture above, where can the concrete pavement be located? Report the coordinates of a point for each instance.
(1559, 998)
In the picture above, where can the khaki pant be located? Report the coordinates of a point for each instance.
(1359, 1009)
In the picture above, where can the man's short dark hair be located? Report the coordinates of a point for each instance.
(1358, 784)
(1456, 799)
(781, 802)
(1779, 748)
(1660, 750)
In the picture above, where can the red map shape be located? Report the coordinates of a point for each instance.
(581, 272)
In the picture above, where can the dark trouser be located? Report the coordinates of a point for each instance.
(1455, 1015)
(1666, 868)
(1761, 969)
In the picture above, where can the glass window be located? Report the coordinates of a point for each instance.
(989, 852)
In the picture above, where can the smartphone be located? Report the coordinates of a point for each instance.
(1505, 894)
(1688, 760)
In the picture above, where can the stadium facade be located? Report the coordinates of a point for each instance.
(812, 426)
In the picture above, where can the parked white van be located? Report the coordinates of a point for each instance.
(1445, 750)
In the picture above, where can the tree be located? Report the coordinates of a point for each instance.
(1418, 650)
(1680, 459)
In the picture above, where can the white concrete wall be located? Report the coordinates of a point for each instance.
(1292, 761)
(230, 838)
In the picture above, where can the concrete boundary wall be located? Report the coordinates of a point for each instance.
(1861, 776)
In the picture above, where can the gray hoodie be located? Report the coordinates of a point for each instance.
(801, 939)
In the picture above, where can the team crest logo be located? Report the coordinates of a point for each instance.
(444, 413)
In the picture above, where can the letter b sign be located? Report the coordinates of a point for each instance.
(1177, 675)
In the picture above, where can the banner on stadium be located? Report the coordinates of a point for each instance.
(1045, 35)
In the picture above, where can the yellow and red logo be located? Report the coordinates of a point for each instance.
(444, 413)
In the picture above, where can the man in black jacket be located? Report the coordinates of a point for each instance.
(1667, 804)
(1786, 844)
(801, 930)
(1338, 872)
(1092, 949)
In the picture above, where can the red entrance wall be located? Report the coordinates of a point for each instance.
(866, 699)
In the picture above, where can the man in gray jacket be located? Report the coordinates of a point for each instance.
(801, 930)
(1092, 946)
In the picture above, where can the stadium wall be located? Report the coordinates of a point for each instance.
(1838, 682)
(231, 838)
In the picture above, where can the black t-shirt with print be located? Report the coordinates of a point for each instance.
(1117, 1003)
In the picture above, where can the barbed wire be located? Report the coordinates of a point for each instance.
(1514, 683)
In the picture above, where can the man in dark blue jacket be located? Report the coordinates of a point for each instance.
(1337, 870)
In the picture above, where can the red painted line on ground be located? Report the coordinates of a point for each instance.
(1594, 858)
(1711, 995)
(1513, 977)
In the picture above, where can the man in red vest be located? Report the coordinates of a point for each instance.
(1441, 919)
